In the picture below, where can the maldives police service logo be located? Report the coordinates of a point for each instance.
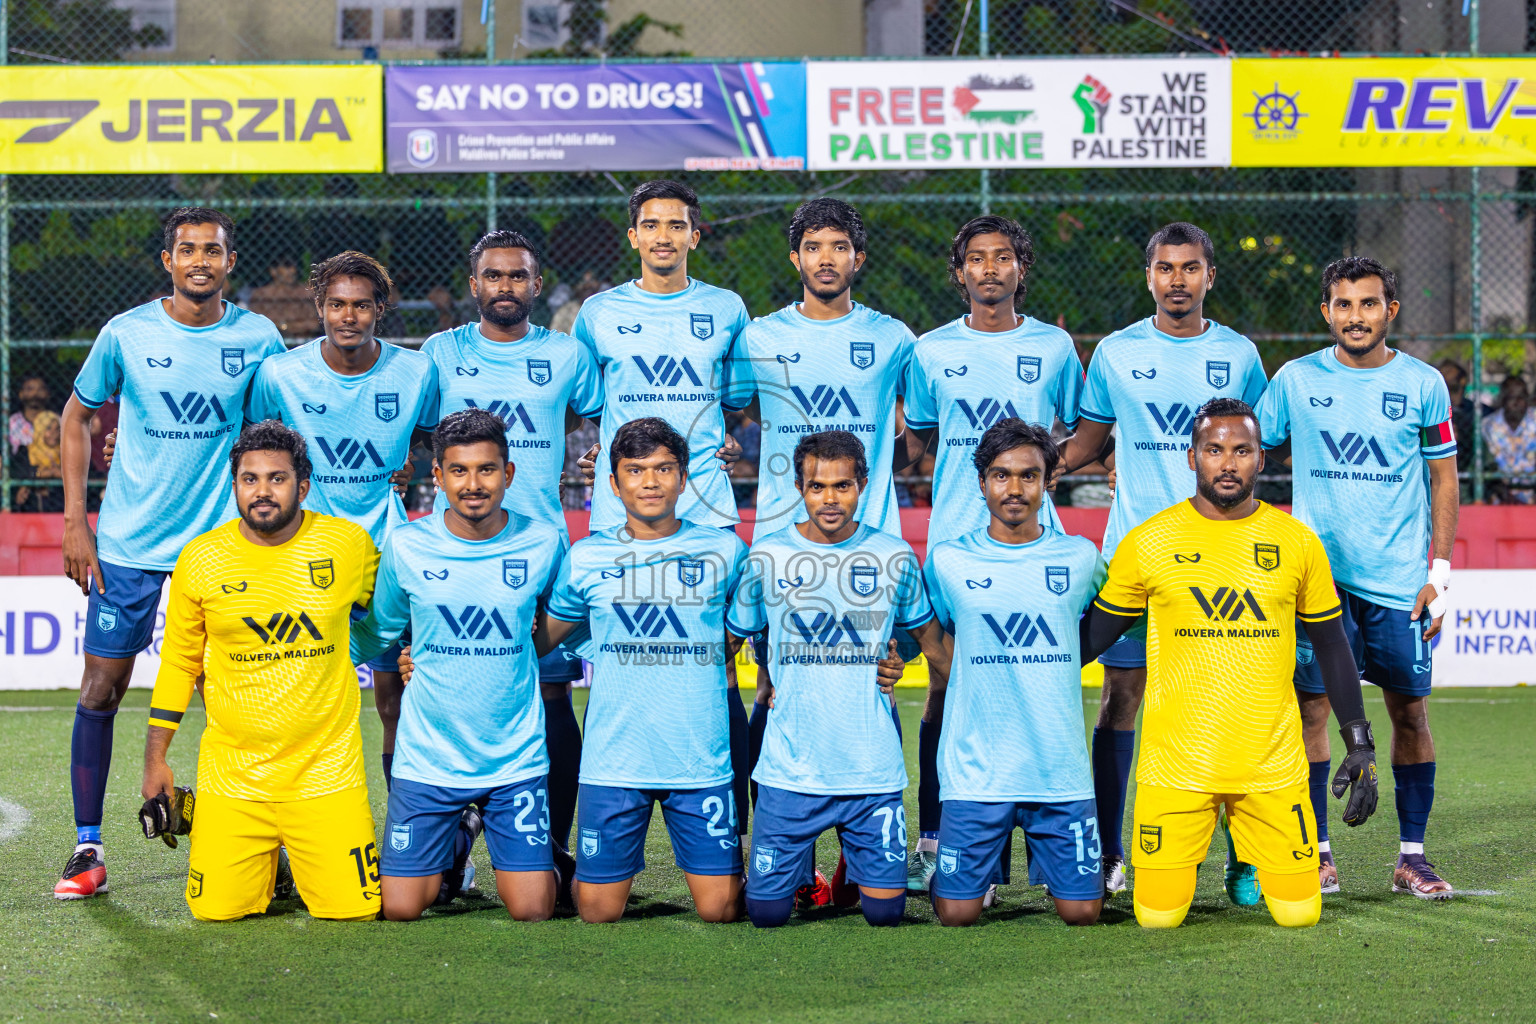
(862, 354)
(514, 572)
(949, 860)
(1394, 406)
(399, 837)
(233, 361)
(591, 842)
(421, 147)
(106, 618)
(538, 371)
(762, 859)
(690, 571)
(386, 405)
(1058, 578)
(864, 579)
(1217, 373)
(702, 325)
(1029, 369)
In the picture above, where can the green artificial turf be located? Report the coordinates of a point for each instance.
(136, 954)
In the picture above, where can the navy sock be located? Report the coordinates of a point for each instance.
(741, 756)
(1414, 785)
(883, 913)
(769, 913)
(896, 717)
(1113, 752)
(562, 740)
(90, 761)
(756, 727)
(1317, 786)
(389, 770)
(929, 810)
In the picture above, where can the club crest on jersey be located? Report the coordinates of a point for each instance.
(322, 573)
(763, 858)
(232, 359)
(1058, 578)
(862, 354)
(538, 371)
(864, 579)
(591, 842)
(386, 405)
(1029, 369)
(400, 837)
(1151, 838)
(1217, 373)
(106, 618)
(690, 571)
(514, 572)
(1394, 406)
(949, 860)
(702, 325)
(1266, 556)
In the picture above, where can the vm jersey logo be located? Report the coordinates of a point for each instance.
(194, 407)
(650, 620)
(1227, 604)
(474, 622)
(284, 628)
(1353, 449)
(667, 372)
(986, 412)
(826, 401)
(1020, 629)
(826, 628)
(347, 453)
(1173, 421)
(513, 416)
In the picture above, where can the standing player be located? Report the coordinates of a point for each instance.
(993, 364)
(1149, 379)
(359, 403)
(468, 582)
(1367, 425)
(183, 366)
(542, 384)
(1012, 595)
(829, 591)
(655, 591)
(1225, 579)
(260, 607)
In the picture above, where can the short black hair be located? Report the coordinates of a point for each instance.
(1513, 379)
(1181, 233)
(1011, 433)
(469, 426)
(989, 224)
(271, 436)
(638, 439)
(829, 446)
(352, 264)
(827, 212)
(504, 240)
(1355, 268)
(1223, 408)
(665, 188)
(198, 215)
(1461, 371)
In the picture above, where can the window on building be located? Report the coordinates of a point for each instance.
(160, 14)
(401, 24)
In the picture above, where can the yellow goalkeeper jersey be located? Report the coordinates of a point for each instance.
(1222, 598)
(269, 628)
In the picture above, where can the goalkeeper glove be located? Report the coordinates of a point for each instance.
(1357, 773)
(168, 817)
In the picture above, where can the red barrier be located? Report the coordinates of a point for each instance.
(1488, 537)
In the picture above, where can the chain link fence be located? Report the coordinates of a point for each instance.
(76, 250)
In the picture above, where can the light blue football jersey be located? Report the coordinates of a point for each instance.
(358, 428)
(529, 384)
(963, 381)
(665, 355)
(656, 715)
(183, 397)
(814, 375)
(472, 716)
(1013, 714)
(1360, 440)
(829, 610)
(1149, 385)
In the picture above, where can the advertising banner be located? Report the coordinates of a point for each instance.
(1389, 112)
(1489, 634)
(190, 118)
(609, 117)
(1077, 112)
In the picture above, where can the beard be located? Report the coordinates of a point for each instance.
(1209, 492)
(285, 515)
(826, 293)
(1353, 348)
(502, 317)
(200, 294)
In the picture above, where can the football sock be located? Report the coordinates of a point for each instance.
(929, 810)
(562, 740)
(741, 756)
(1317, 786)
(90, 759)
(1113, 751)
(770, 913)
(1414, 786)
(1162, 896)
(389, 770)
(1294, 900)
(87, 835)
(883, 913)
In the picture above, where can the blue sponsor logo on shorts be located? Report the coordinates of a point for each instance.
(400, 837)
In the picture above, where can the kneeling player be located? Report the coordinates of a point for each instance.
(829, 591)
(1013, 753)
(468, 581)
(261, 606)
(655, 589)
(1224, 578)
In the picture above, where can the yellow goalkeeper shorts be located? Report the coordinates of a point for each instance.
(1172, 828)
(330, 843)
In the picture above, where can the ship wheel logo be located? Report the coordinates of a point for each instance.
(1275, 111)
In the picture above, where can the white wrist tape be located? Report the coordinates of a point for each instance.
(1440, 579)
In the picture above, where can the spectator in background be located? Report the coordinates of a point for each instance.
(33, 399)
(1510, 435)
(45, 462)
(103, 423)
(1462, 422)
(286, 301)
(584, 252)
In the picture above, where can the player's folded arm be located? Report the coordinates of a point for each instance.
(1101, 625)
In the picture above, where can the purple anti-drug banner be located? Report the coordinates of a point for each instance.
(611, 117)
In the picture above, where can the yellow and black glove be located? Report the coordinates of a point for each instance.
(168, 817)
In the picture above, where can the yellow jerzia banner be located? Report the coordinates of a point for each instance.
(1392, 112)
(190, 118)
